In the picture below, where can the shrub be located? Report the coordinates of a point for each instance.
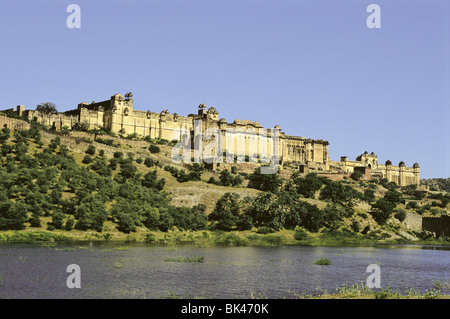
(301, 233)
(363, 215)
(272, 239)
(264, 182)
(199, 259)
(150, 238)
(400, 214)
(366, 229)
(322, 261)
(264, 230)
(356, 175)
(387, 293)
(369, 195)
(118, 155)
(233, 240)
(58, 218)
(90, 150)
(69, 223)
(113, 162)
(412, 205)
(127, 170)
(149, 162)
(244, 222)
(87, 159)
(154, 149)
(355, 226)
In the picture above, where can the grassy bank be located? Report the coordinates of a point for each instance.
(208, 238)
(363, 292)
(345, 292)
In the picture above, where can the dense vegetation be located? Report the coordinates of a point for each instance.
(40, 179)
(437, 184)
(32, 185)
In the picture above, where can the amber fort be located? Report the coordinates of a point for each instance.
(117, 115)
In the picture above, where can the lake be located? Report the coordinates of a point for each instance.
(139, 271)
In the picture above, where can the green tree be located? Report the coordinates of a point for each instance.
(400, 214)
(150, 217)
(63, 150)
(262, 210)
(264, 182)
(393, 196)
(193, 218)
(340, 194)
(226, 211)
(13, 215)
(70, 222)
(58, 218)
(126, 215)
(369, 195)
(5, 134)
(113, 162)
(308, 185)
(90, 150)
(100, 166)
(149, 162)
(333, 215)
(91, 213)
(47, 107)
(226, 179)
(382, 210)
(127, 169)
(165, 221)
(195, 171)
(301, 233)
(6, 149)
(309, 215)
(151, 180)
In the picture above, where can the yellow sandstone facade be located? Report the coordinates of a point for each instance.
(117, 115)
(368, 165)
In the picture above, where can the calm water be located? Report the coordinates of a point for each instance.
(33, 271)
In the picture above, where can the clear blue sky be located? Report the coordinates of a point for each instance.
(312, 67)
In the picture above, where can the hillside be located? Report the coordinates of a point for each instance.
(91, 185)
(437, 184)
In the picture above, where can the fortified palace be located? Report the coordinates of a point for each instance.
(117, 115)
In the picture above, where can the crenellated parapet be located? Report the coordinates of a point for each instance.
(368, 163)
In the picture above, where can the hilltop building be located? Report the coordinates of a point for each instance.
(117, 115)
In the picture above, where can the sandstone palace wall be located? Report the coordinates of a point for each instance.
(118, 116)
